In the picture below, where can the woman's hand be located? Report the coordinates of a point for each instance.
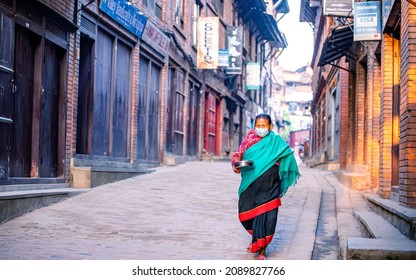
(237, 170)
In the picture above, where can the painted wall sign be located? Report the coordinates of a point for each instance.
(367, 21)
(127, 15)
(156, 38)
(208, 40)
(342, 8)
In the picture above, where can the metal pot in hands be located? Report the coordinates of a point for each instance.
(244, 164)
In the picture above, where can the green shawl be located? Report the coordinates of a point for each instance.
(265, 154)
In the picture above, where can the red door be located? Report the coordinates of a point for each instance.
(210, 123)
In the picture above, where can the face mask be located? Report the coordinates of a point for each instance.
(262, 131)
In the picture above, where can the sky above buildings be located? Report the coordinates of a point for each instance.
(299, 36)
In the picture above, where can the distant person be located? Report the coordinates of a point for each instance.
(274, 170)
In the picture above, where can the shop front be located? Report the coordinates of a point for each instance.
(33, 92)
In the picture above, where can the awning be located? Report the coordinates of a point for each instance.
(254, 12)
(244, 6)
(269, 30)
(266, 25)
(307, 12)
(281, 6)
(337, 45)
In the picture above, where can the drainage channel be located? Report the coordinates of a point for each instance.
(326, 244)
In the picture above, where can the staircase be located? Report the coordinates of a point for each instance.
(372, 228)
(389, 229)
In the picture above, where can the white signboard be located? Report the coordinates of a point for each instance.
(208, 40)
(253, 76)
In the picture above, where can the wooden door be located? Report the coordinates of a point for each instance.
(50, 111)
(85, 96)
(6, 92)
(21, 152)
(102, 94)
(210, 123)
(154, 103)
(170, 111)
(121, 102)
(141, 115)
(179, 101)
(6, 121)
(193, 121)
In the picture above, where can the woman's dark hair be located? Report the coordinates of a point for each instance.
(264, 116)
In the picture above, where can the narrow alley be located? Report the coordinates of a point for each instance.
(184, 212)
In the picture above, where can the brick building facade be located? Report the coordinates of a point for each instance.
(378, 146)
(114, 97)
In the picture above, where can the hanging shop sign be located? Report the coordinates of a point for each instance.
(208, 40)
(235, 49)
(367, 21)
(339, 8)
(156, 38)
(253, 76)
(223, 58)
(127, 15)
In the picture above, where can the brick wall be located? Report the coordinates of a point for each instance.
(407, 157)
(372, 116)
(386, 121)
(134, 103)
(375, 148)
(368, 110)
(359, 114)
(351, 118)
(344, 133)
(64, 8)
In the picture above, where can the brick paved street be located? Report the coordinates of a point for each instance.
(187, 211)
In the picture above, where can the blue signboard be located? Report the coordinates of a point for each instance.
(367, 21)
(127, 15)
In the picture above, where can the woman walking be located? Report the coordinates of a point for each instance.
(274, 171)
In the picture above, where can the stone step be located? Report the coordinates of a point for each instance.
(380, 249)
(383, 241)
(28, 187)
(37, 193)
(376, 226)
(16, 203)
(356, 169)
(401, 217)
(93, 176)
(354, 181)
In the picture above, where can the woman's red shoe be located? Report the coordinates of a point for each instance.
(261, 257)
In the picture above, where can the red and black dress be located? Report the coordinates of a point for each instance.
(258, 205)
